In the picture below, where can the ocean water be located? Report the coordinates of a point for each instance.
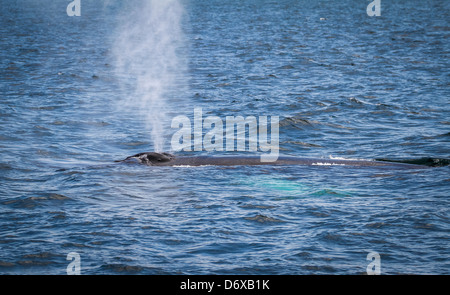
(73, 99)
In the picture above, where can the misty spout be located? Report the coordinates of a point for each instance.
(147, 61)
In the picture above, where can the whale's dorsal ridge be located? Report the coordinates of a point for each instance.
(166, 159)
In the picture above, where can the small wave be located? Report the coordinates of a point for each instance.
(263, 219)
(6, 264)
(320, 268)
(354, 100)
(329, 192)
(31, 202)
(51, 196)
(444, 135)
(286, 67)
(123, 268)
(255, 206)
(33, 263)
(295, 121)
(305, 144)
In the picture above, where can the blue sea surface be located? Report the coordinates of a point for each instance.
(344, 84)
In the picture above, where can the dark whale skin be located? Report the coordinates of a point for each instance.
(166, 159)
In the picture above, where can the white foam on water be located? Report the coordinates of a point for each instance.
(327, 164)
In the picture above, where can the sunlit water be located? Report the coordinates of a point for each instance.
(344, 85)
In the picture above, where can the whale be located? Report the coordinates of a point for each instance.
(167, 159)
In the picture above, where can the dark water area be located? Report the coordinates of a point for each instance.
(345, 85)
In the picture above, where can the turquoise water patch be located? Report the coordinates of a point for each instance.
(331, 192)
(276, 184)
(290, 187)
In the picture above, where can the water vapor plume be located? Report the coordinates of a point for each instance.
(147, 60)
